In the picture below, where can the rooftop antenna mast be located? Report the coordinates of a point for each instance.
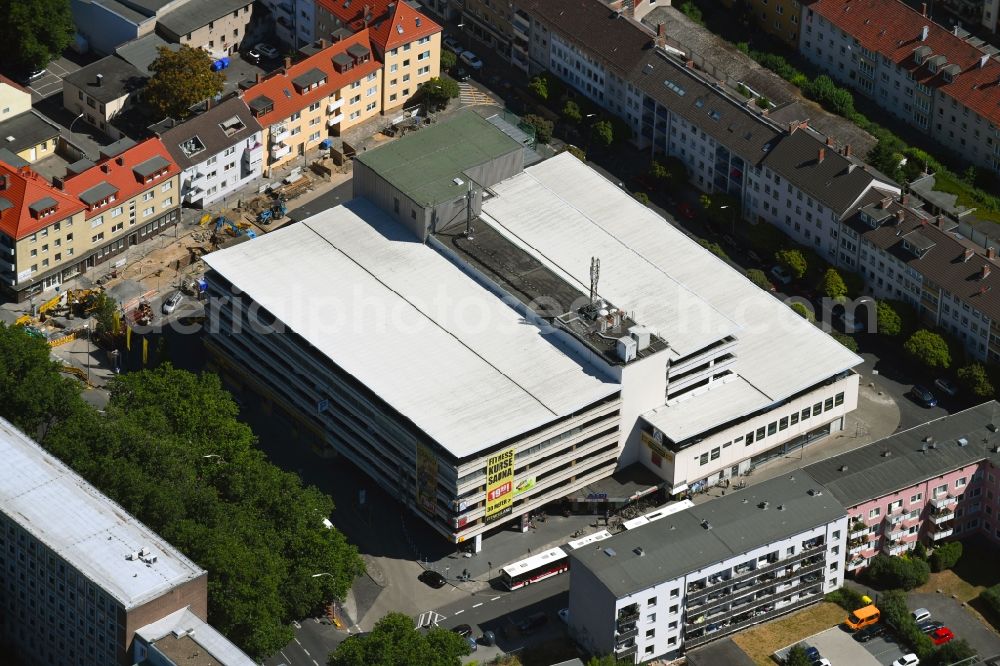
(468, 213)
(595, 275)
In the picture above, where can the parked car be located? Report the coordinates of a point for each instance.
(460, 74)
(253, 55)
(924, 397)
(171, 303)
(921, 614)
(946, 386)
(820, 662)
(432, 578)
(812, 653)
(532, 623)
(267, 51)
(685, 210)
(781, 274)
(452, 44)
(929, 625)
(463, 630)
(941, 635)
(32, 76)
(564, 615)
(473, 643)
(471, 60)
(907, 660)
(868, 633)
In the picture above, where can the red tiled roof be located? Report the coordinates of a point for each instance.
(386, 19)
(893, 29)
(119, 172)
(287, 100)
(23, 188)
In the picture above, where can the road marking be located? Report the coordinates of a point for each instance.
(299, 642)
(296, 624)
(459, 612)
(285, 656)
(477, 605)
(316, 662)
(307, 653)
(494, 598)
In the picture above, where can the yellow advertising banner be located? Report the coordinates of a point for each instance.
(427, 479)
(657, 448)
(499, 485)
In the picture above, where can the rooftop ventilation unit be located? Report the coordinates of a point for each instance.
(639, 551)
(815, 493)
(707, 525)
(610, 552)
(962, 441)
(763, 505)
(781, 507)
(842, 468)
(886, 454)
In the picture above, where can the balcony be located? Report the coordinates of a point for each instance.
(858, 526)
(895, 518)
(895, 535)
(943, 502)
(628, 614)
(939, 532)
(336, 120)
(279, 134)
(278, 152)
(626, 650)
(713, 586)
(709, 610)
(762, 613)
(631, 631)
(334, 105)
(941, 515)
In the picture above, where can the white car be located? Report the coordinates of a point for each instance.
(907, 660)
(921, 615)
(946, 386)
(564, 615)
(171, 303)
(471, 60)
(452, 44)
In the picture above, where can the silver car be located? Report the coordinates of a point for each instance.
(171, 303)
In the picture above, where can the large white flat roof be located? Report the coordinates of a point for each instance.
(85, 528)
(435, 345)
(564, 213)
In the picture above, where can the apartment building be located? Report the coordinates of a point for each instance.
(294, 21)
(218, 26)
(936, 481)
(129, 197)
(933, 78)
(101, 91)
(220, 150)
(303, 104)
(975, 13)
(779, 18)
(406, 41)
(14, 98)
(27, 136)
(490, 23)
(807, 188)
(671, 585)
(80, 575)
(670, 334)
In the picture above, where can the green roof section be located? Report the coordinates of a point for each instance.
(423, 165)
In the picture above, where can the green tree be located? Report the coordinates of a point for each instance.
(896, 613)
(832, 285)
(946, 556)
(541, 126)
(438, 90)
(540, 86)
(974, 381)
(104, 313)
(763, 102)
(672, 173)
(929, 349)
(692, 11)
(571, 111)
(603, 133)
(952, 652)
(448, 60)
(801, 310)
(890, 572)
(641, 197)
(797, 656)
(793, 260)
(991, 597)
(920, 550)
(845, 340)
(847, 598)
(603, 660)
(759, 278)
(714, 248)
(34, 32)
(577, 152)
(889, 321)
(765, 239)
(969, 176)
(180, 80)
(394, 642)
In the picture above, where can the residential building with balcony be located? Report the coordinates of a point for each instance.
(932, 482)
(666, 587)
(937, 80)
(668, 337)
(101, 91)
(129, 196)
(406, 41)
(217, 26)
(303, 104)
(220, 150)
(490, 23)
(779, 18)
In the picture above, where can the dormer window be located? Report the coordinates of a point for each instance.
(43, 207)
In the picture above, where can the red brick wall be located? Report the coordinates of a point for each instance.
(193, 593)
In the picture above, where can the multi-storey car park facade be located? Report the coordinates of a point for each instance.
(937, 80)
(668, 335)
(671, 585)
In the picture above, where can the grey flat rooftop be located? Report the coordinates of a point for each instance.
(424, 164)
(867, 473)
(681, 543)
(26, 130)
(120, 78)
(395, 323)
(53, 503)
(10, 159)
(98, 192)
(43, 204)
(123, 10)
(197, 13)
(116, 148)
(311, 77)
(141, 52)
(151, 166)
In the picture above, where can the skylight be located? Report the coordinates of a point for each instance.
(673, 86)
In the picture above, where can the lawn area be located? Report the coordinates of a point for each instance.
(974, 572)
(950, 185)
(762, 641)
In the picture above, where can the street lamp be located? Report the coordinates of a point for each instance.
(74, 123)
(590, 131)
(732, 219)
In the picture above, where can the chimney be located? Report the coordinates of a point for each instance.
(57, 182)
(904, 199)
(367, 14)
(120, 161)
(3, 182)
(991, 253)
(924, 32)
(968, 255)
(661, 34)
(983, 60)
(900, 214)
(829, 142)
(105, 168)
(288, 62)
(985, 274)
(847, 150)
(689, 63)
(322, 44)
(939, 221)
(923, 9)
(821, 156)
(100, 80)
(258, 77)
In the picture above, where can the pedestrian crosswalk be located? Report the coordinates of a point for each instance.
(468, 95)
(429, 619)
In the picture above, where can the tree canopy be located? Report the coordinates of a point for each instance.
(540, 86)
(889, 321)
(832, 285)
(793, 260)
(797, 656)
(34, 32)
(170, 450)
(603, 133)
(181, 79)
(439, 90)
(759, 278)
(974, 381)
(928, 348)
(394, 642)
(571, 111)
(448, 60)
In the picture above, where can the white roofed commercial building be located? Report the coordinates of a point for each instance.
(548, 331)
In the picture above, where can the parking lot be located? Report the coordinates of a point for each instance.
(837, 645)
(965, 625)
(51, 83)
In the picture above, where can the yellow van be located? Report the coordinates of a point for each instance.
(863, 617)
